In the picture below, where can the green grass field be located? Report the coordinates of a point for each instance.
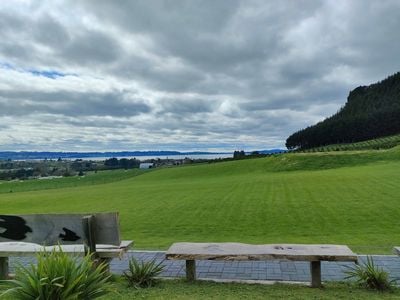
(91, 178)
(179, 289)
(176, 289)
(350, 197)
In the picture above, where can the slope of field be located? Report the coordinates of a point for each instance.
(91, 178)
(374, 144)
(338, 197)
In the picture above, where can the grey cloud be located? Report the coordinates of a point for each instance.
(50, 32)
(213, 34)
(11, 23)
(94, 122)
(149, 74)
(157, 16)
(270, 67)
(228, 54)
(4, 126)
(14, 50)
(300, 99)
(190, 106)
(91, 47)
(71, 104)
(24, 35)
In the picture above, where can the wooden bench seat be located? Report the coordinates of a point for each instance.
(238, 251)
(29, 249)
(75, 234)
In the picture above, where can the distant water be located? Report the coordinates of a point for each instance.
(142, 158)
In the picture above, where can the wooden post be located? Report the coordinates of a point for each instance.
(3, 268)
(106, 261)
(315, 268)
(191, 270)
(88, 223)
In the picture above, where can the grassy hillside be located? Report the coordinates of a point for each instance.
(338, 197)
(91, 178)
(374, 144)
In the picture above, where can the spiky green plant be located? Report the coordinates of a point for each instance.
(59, 276)
(370, 276)
(142, 274)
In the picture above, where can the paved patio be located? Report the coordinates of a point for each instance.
(247, 270)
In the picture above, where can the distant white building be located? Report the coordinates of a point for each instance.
(146, 165)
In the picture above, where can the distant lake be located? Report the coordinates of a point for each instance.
(144, 157)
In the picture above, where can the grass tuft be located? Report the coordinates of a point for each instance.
(370, 276)
(143, 274)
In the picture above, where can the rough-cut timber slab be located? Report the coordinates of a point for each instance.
(239, 251)
(28, 249)
(54, 229)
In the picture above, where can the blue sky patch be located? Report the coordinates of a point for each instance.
(6, 66)
(43, 73)
(49, 74)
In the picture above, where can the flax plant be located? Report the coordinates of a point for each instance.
(59, 276)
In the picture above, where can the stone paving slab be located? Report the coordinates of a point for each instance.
(245, 270)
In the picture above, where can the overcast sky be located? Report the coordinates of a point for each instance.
(184, 75)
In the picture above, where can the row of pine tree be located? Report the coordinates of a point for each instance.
(370, 112)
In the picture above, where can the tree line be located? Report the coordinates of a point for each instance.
(370, 112)
(12, 170)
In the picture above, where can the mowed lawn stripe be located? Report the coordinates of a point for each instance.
(243, 201)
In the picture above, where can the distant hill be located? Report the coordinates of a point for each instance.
(28, 155)
(23, 155)
(271, 151)
(370, 112)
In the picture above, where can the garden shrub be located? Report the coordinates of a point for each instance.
(59, 276)
(370, 276)
(142, 274)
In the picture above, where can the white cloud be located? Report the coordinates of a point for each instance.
(183, 75)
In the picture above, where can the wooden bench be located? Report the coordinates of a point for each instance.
(77, 234)
(237, 251)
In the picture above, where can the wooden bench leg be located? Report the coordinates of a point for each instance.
(3, 268)
(191, 270)
(106, 261)
(315, 268)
